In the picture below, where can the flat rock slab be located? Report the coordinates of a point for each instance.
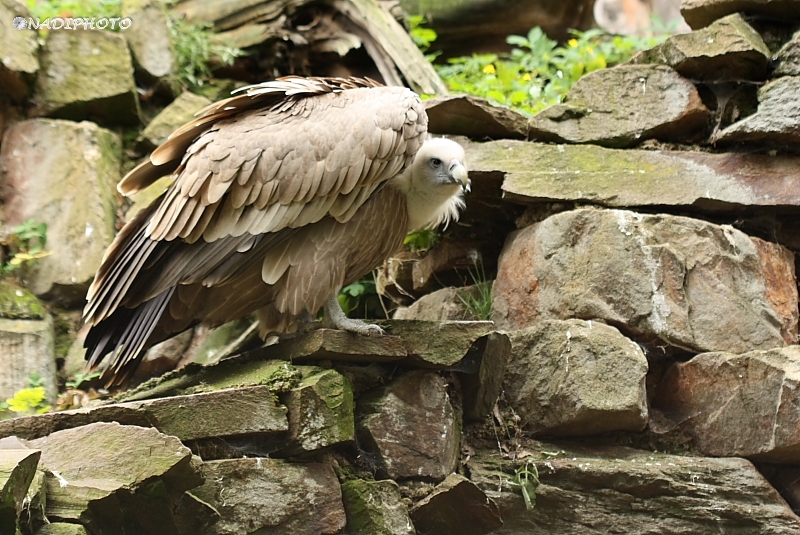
(95, 472)
(691, 284)
(179, 112)
(17, 469)
(235, 411)
(87, 74)
(375, 507)
(776, 120)
(474, 117)
(61, 528)
(727, 50)
(63, 173)
(576, 378)
(738, 405)
(271, 496)
(623, 106)
(536, 172)
(699, 13)
(19, 57)
(601, 490)
(410, 427)
(456, 507)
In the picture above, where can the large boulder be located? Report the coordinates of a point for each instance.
(62, 173)
(375, 507)
(456, 507)
(738, 405)
(576, 378)
(788, 57)
(692, 285)
(87, 74)
(149, 38)
(623, 106)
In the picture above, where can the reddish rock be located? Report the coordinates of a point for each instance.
(738, 405)
(693, 285)
(465, 115)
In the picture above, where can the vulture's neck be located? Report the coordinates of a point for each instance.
(429, 205)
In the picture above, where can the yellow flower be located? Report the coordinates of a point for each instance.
(590, 50)
(489, 69)
(526, 76)
(572, 42)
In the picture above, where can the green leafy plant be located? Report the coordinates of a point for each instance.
(81, 378)
(422, 37)
(422, 239)
(354, 296)
(44, 9)
(538, 72)
(24, 244)
(526, 478)
(30, 400)
(478, 298)
(195, 49)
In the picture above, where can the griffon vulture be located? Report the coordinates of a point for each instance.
(282, 195)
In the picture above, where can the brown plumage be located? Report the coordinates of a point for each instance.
(282, 195)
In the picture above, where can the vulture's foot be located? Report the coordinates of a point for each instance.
(335, 318)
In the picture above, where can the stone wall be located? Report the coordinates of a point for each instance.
(640, 375)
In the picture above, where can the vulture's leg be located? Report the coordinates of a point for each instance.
(336, 318)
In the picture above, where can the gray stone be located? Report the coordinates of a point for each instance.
(481, 389)
(62, 173)
(474, 117)
(699, 13)
(229, 412)
(456, 507)
(17, 469)
(446, 304)
(576, 378)
(272, 496)
(541, 173)
(788, 58)
(321, 412)
(622, 107)
(738, 405)
(28, 349)
(410, 427)
(728, 49)
(87, 74)
(775, 123)
(597, 490)
(178, 113)
(688, 283)
(101, 473)
(18, 52)
(149, 38)
(375, 507)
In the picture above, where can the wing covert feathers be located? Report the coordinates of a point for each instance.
(275, 192)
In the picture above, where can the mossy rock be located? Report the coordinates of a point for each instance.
(19, 304)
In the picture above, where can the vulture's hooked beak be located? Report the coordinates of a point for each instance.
(459, 174)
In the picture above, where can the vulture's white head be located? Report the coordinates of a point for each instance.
(435, 184)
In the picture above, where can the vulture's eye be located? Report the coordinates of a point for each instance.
(435, 162)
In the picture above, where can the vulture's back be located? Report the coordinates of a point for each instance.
(277, 201)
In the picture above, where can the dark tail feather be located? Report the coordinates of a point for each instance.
(125, 335)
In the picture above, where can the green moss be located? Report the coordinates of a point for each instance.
(19, 303)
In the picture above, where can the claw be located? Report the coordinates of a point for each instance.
(336, 318)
